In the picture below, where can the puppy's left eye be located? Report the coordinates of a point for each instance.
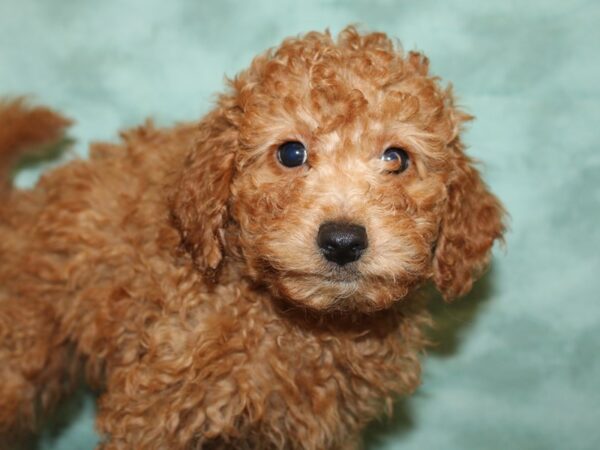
(397, 158)
(292, 154)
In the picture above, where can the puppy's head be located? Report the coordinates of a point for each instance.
(335, 171)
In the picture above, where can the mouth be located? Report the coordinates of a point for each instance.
(341, 285)
(344, 279)
(347, 274)
(335, 281)
(330, 273)
(327, 287)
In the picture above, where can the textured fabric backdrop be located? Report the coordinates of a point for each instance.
(518, 364)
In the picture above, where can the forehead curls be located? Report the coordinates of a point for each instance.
(322, 81)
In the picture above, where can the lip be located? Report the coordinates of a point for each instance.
(341, 282)
(347, 278)
(342, 276)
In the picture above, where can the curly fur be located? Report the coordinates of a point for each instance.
(179, 271)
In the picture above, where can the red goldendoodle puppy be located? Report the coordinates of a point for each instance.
(248, 281)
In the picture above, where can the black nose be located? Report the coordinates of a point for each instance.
(342, 243)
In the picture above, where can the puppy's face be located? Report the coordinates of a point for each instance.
(339, 202)
(347, 168)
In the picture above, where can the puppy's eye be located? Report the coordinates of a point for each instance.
(397, 158)
(292, 154)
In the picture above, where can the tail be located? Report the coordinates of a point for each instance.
(24, 129)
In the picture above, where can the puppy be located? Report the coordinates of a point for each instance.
(250, 280)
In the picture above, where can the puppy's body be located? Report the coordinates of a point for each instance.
(92, 257)
(179, 269)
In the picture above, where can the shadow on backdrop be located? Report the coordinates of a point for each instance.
(52, 426)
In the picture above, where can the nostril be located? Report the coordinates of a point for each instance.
(342, 242)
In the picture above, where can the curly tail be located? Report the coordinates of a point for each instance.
(24, 129)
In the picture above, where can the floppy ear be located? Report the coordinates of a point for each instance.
(472, 221)
(199, 203)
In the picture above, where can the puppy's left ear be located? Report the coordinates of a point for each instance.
(472, 221)
(199, 203)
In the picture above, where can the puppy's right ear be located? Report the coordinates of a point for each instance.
(199, 203)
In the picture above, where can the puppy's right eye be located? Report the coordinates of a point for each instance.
(398, 157)
(292, 154)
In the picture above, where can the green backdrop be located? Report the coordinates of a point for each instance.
(518, 361)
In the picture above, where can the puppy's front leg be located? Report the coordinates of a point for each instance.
(36, 367)
(165, 402)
